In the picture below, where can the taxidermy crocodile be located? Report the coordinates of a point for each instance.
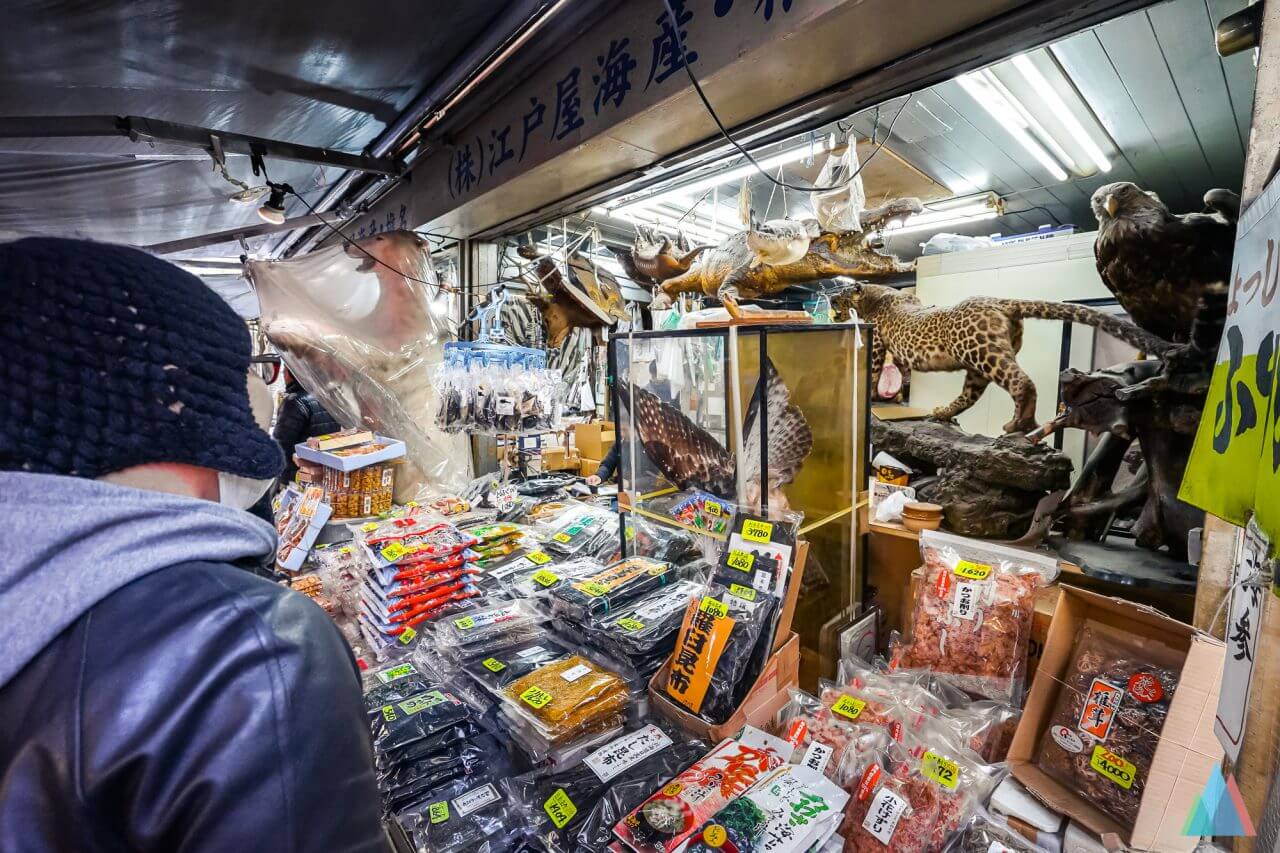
(733, 270)
(980, 336)
(653, 259)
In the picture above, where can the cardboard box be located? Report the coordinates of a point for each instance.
(768, 694)
(1187, 751)
(559, 459)
(587, 467)
(593, 440)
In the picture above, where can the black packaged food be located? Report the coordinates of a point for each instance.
(505, 665)
(472, 814)
(612, 587)
(717, 639)
(1107, 720)
(393, 684)
(647, 623)
(410, 782)
(402, 723)
(429, 745)
(575, 810)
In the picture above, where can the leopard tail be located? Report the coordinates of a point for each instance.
(1035, 309)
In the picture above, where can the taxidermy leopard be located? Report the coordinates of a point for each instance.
(980, 336)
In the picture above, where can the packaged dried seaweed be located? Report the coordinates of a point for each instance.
(971, 625)
(717, 638)
(612, 587)
(473, 813)
(1107, 720)
(575, 809)
(500, 667)
(401, 723)
(408, 782)
(647, 623)
(783, 812)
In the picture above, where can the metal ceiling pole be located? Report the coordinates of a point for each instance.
(490, 48)
(201, 240)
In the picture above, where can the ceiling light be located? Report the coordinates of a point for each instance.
(942, 221)
(273, 209)
(981, 90)
(1061, 111)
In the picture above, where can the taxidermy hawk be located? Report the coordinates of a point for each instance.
(690, 457)
(1159, 264)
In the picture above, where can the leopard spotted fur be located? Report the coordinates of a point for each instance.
(980, 336)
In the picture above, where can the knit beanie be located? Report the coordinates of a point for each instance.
(114, 358)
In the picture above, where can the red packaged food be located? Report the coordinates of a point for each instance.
(971, 625)
(824, 741)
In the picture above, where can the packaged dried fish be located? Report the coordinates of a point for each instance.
(823, 739)
(668, 818)
(1107, 720)
(972, 620)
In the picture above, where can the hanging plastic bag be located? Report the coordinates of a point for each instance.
(837, 209)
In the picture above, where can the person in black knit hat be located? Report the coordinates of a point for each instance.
(153, 695)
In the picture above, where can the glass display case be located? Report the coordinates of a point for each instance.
(772, 418)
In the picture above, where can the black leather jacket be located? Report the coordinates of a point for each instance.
(198, 709)
(301, 417)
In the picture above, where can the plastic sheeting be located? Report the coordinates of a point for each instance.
(364, 337)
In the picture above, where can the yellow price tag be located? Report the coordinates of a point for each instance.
(714, 606)
(757, 531)
(406, 636)
(741, 560)
(411, 504)
(536, 697)
(560, 808)
(438, 812)
(746, 593)
(715, 835)
(493, 665)
(942, 770)
(848, 706)
(713, 508)
(973, 571)
(369, 526)
(393, 552)
(538, 558)
(562, 537)
(593, 589)
(545, 577)
(672, 789)
(1113, 767)
(466, 623)
(630, 624)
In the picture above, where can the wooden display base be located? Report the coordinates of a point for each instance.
(767, 318)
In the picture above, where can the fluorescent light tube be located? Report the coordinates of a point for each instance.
(999, 109)
(1054, 102)
(939, 224)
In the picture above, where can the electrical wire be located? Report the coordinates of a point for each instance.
(697, 87)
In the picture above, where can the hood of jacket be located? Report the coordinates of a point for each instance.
(68, 543)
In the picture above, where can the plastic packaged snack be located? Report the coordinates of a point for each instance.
(537, 574)
(576, 809)
(717, 638)
(415, 718)
(825, 742)
(408, 782)
(562, 696)
(472, 814)
(648, 622)
(500, 667)
(972, 619)
(783, 812)
(580, 531)
(668, 818)
(1107, 720)
(987, 833)
(612, 587)
(484, 625)
(393, 684)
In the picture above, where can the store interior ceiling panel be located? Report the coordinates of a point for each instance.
(321, 74)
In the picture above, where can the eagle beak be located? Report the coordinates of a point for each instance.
(1112, 205)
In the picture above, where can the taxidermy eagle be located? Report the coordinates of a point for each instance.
(690, 457)
(1159, 264)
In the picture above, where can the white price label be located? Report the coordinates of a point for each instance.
(574, 673)
(882, 818)
(762, 580)
(476, 799)
(615, 757)
(505, 405)
(817, 756)
(505, 499)
(964, 600)
(530, 652)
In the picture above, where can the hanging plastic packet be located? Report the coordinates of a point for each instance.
(783, 812)
(971, 625)
(576, 809)
(823, 738)
(717, 638)
(837, 207)
(419, 716)
(668, 818)
(614, 586)
(1110, 711)
(472, 814)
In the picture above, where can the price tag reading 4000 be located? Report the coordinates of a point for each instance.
(944, 771)
(1113, 767)
(757, 531)
(741, 560)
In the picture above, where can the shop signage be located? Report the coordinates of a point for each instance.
(1244, 625)
(1234, 470)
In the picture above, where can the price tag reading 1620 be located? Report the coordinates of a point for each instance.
(535, 697)
(973, 571)
(757, 531)
(741, 560)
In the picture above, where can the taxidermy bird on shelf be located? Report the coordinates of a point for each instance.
(690, 457)
(1157, 263)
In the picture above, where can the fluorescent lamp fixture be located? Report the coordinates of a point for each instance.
(947, 220)
(1051, 99)
(988, 96)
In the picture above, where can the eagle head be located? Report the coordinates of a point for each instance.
(1125, 200)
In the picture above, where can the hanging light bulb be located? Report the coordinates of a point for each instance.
(273, 209)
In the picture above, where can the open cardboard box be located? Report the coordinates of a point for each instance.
(767, 695)
(593, 440)
(1187, 751)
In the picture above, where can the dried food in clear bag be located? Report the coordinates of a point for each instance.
(444, 739)
(717, 638)
(783, 812)
(407, 782)
(613, 586)
(974, 606)
(484, 624)
(823, 739)
(703, 511)
(985, 726)
(393, 684)
(576, 808)
(649, 622)
(473, 814)
(1106, 722)
(500, 667)
(577, 532)
(987, 833)
(666, 819)
(401, 723)
(645, 538)
(563, 695)
(539, 574)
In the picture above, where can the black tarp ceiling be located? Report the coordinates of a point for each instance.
(318, 73)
